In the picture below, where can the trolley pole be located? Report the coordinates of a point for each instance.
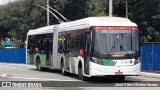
(48, 13)
(110, 8)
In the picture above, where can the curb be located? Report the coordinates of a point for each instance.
(149, 74)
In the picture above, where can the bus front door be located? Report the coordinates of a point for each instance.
(48, 50)
(68, 53)
(87, 56)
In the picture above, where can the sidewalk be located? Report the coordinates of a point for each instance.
(150, 74)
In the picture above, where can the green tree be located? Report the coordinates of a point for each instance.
(96, 8)
(20, 16)
(16, 18)
(145, 13)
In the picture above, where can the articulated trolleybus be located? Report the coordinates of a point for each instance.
(94, 46)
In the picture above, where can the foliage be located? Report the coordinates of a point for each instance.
(96, 8)
(16, 18)
(152, 35)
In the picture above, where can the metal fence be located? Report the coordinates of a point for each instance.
(150, 56)
(13, 55)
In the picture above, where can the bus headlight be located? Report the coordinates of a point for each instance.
(137, 61)
(95, 60)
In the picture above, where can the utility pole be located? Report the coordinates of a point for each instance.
(48, 13)
(110, 8)
(126, 9)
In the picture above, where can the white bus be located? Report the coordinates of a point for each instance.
(94, 46)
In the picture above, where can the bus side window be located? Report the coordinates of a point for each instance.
(37, 43)
(77, 46)
(42, 45)
(71, 45)
(32, 46)
(67, 43)
(82, 42)
(60, 45)
(50, 45)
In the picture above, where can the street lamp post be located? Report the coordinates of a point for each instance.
(110, 8)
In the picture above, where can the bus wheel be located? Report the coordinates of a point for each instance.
(63, 72)
(121, 78)
(80, 74)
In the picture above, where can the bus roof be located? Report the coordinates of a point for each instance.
(85, 23)
(42, 30)
(95, 21)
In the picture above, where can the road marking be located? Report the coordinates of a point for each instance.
(42, 79)
(6, 75)
(3, 75)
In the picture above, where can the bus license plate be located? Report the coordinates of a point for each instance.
(118, 73)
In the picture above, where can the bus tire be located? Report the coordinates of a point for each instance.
(80, 74)
(63, 72)
(121, 78)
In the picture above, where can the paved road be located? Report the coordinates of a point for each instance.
(23, 72)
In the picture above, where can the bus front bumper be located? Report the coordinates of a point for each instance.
(100, 70)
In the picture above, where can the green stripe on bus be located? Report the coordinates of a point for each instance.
(114, 63)
(111, 64)
(106, 62)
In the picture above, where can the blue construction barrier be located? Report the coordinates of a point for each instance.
(150, 56)
(13, 55)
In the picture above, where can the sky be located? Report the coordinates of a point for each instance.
(5, 1)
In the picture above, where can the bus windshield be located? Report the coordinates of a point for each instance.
(116, 41)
